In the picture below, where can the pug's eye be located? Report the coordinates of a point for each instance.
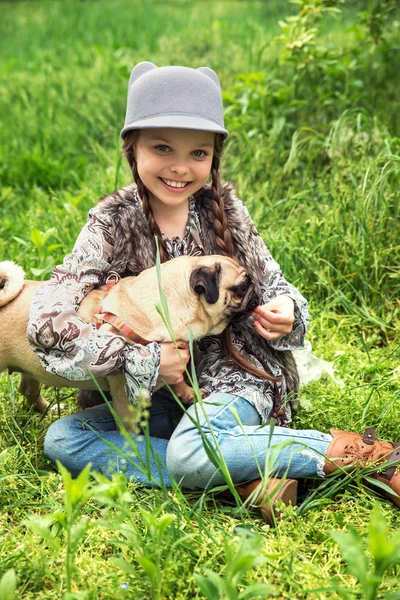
(241, 289)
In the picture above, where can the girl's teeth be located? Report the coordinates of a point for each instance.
(175, 183)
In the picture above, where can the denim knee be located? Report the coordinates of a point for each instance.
(60, 442)
(188, 462)
(54, 442)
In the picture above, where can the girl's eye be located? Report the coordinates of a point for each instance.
(163, 148)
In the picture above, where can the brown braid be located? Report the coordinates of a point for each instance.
(223, 239)
(128, 150)
(221, 228)
(239, 360)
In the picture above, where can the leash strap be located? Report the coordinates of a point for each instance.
(111, 280)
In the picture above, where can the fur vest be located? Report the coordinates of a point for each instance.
(135, 250)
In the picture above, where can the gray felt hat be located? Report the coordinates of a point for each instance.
(174, 97)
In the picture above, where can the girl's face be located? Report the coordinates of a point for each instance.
(168, 158)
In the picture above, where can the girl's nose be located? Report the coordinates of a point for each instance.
(179, 168)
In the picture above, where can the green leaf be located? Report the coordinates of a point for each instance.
(395, 596)
(83, 478)
(351, 547)
(76, 595)
(53, 247)
(243, 563)
(379, 544)
(163, 299)
(124, 565)
(8, 585)
(75, 489)
(47, 234)
(37, 238)
(211, 585)
(128, 531)
(21, 241)
(262, 590)
(37, 272)
(380, 484)
(163, 523)
(42, 527)
(148, 566)
(78, 530)
(3, 457)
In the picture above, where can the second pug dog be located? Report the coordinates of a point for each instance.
(203, 293)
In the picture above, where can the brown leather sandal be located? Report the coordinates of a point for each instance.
(347, 449)
(265, 498)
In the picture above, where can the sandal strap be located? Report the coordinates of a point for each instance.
(394, 458)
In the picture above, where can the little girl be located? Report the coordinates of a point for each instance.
(173, 139)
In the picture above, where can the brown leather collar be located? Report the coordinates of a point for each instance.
(114, 320)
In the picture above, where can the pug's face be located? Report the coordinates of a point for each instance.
(225, 290)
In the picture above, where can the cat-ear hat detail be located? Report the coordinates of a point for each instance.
(174, 97)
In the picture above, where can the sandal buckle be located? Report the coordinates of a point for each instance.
(369, 436)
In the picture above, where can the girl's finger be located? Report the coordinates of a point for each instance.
(273, 317)
(268, 325)
(266, 333)
(264, 323)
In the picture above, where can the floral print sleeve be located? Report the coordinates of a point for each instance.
(68, 346)
(274, 284)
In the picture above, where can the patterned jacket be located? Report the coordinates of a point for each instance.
(117, 237)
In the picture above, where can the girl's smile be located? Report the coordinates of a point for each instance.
(175, 186)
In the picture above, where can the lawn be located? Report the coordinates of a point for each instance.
(312, 107)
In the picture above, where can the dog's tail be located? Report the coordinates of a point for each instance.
(11, 281)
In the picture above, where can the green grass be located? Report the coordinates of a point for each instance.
(314, 157)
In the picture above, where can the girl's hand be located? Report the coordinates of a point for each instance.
(172, 364)
(275, 319)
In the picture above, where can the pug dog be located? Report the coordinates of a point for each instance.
(203, 294)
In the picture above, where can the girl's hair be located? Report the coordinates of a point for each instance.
(222, 232)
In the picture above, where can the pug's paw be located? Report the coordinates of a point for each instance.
(189, 399)
(186, 393)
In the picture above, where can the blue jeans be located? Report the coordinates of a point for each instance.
(229, 423)
(91, 436)
(232, 428)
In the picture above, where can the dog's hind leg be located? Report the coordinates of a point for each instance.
(30, 388)
(120, 403)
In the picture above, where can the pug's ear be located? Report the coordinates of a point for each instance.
(205, 280)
